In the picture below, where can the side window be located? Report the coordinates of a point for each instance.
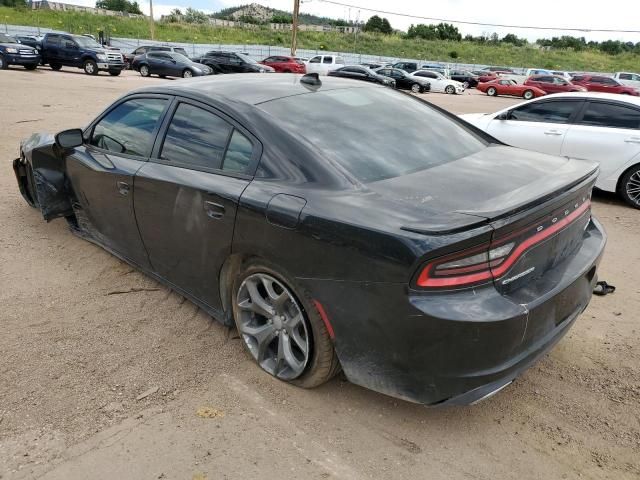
(327, 59)
(625, 76)
(139, 51)
(195, 137)
(238, 156)
(547, 112)
(609, 81)
(129, 127)
(609, 115)
(270, 59)
(315, 60)
(54, 40)
(577, 78)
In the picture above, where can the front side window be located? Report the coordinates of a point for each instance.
(129, 128)
(612, 116)
(196, 138)
(547, 112)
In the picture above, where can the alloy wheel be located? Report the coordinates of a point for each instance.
(632, 188)
(415, 88)
(450, 89)
(1, 63)
(144, 71)
(187, 74)
(273, 326)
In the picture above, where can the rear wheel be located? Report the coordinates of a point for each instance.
(528, 94)
(450, 89)
(90, 67)
(3, 63)
(281, 328)
(55, 66)
(144, 70)
(416, 88)
(629, 187)
(114, 73)
(465, 85)
(31, 67)
(187, 73)
(492, 92)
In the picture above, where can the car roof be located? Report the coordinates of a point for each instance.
(597, 96)
(251, 88)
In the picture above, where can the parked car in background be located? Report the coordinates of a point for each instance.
(323, 64)
(373, 66)
(408, 67)
(29, 40)
(498, 70)
(231, 62)
(338, 225)
(599, 127)
(566, 75)
(302, 59)
(484, 76)
(439, 83)
(66, 50)
(168, 64)
(14, 53)
(285, 64)
(503, 86)
(553, 84)
(358, 72)
(404, 80)
(628, 79)
(128, 57)
(600, 83)
(465, 77)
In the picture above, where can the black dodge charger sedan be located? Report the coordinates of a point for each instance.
(424, 258)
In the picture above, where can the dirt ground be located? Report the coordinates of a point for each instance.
(75, 355)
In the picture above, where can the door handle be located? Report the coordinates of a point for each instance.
(553, 132)
(123, 188)
(214, 210)
(632, 140)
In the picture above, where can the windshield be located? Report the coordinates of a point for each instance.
(6, 39)
(351, 126)
(181, 51)
(86, 42)
(178, 57)
(246, 58)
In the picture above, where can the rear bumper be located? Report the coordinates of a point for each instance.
(459, 347)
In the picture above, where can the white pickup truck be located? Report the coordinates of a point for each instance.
(630, 79)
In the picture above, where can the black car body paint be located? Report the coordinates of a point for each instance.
(356, 241)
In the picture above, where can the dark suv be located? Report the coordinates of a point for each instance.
(14, 53)
(63, 49)
(230, 62)
(141, 50)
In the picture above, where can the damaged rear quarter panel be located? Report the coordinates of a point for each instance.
(52, 190)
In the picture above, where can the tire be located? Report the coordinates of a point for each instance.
(629, 186)
(450, 89)
(492, 92)
(311, 369)
(187, 73)
(90, 67)
(528, 94)
(3, 63)
(162, 76)
(31, 67)
(465, 85)
(144, 70)
(115, 73)
(416, 88)
(55, 66)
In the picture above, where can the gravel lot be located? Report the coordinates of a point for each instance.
(76, 355)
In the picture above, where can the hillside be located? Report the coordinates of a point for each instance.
(264, 14)
(367, 43)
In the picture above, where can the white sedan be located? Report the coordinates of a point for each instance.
(602, 127)
(439, 83)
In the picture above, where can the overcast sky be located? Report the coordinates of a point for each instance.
(619, 14)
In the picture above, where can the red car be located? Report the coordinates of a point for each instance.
(285, 64)
(502, 86)
(600, 83)
(553, 84)
(485, 76)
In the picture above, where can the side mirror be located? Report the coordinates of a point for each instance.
(503, 116)
(69, 138)
(173, 61)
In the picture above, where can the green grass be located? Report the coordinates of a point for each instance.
(367, 43)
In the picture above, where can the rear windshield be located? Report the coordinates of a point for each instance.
(374, 133)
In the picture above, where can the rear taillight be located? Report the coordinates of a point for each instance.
(485, 263)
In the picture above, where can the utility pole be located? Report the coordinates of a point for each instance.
(151, 25)
(294, 32)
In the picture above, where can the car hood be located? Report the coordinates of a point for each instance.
(20, 46)
(486, 185)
